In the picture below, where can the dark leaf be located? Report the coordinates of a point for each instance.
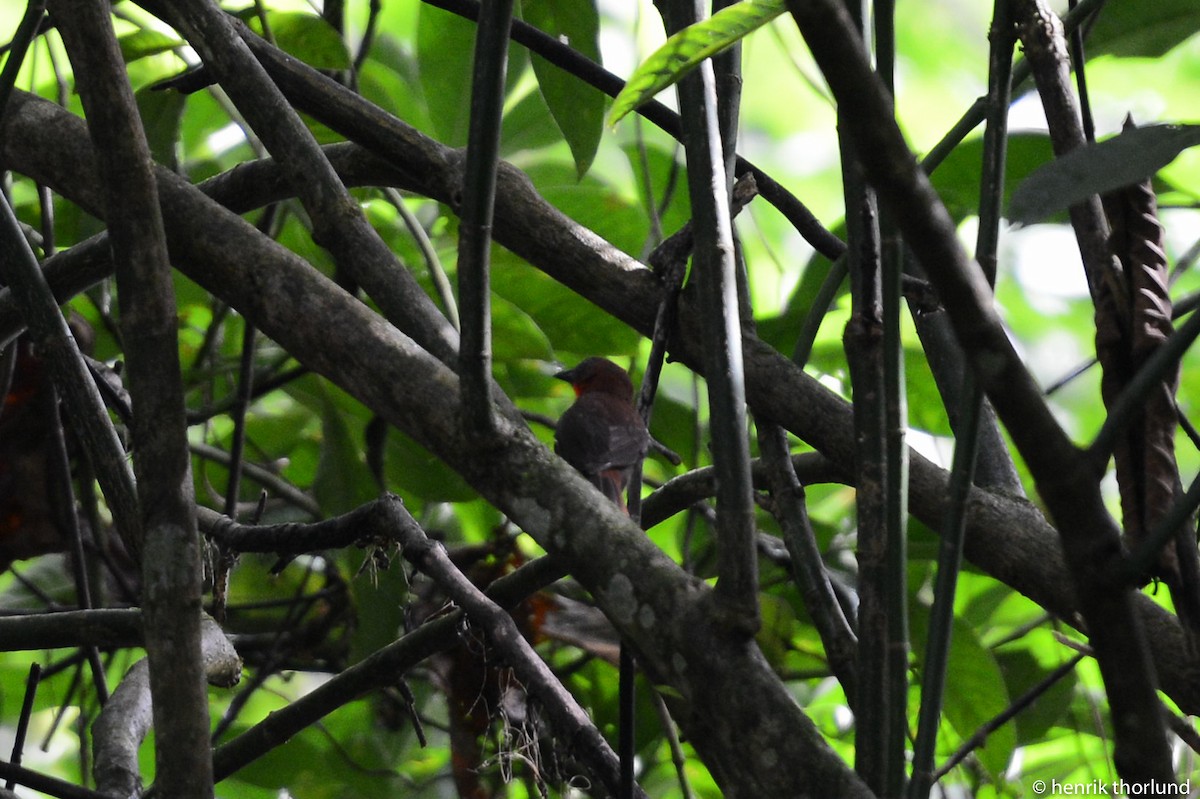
(1129, 157)
(1135, 28)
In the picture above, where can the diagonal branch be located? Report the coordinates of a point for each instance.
(338, 221)
(1007, 537)
(647, 596)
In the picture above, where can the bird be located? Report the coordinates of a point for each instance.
(602, 435)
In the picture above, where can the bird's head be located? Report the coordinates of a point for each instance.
(601, 375)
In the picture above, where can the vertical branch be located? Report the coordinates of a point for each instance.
(1041, 34)
(479, 192)
(962, 472)
(714, 264)
(269, 223)
(895, 423)
(170, 551)
(863, 339)
(66, 518)
(1079, 60)
(787, 495)
(81, 399)
(727, 72)
(1065, 476)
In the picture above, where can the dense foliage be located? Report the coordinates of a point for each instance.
(306, 405)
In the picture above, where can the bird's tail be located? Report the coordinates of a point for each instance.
(612, 484)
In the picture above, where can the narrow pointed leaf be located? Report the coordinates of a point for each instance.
(577, 108)
(1129, 157)
(684, 51)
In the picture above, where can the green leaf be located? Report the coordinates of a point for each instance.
(413, 470)
(516, 334)
(308, 37)
(380, 602)
(1022, 671)
(684, 51)
(778, 624)
(568, 320)
(162, 117)
(146, 42)
(597, 202)
(1126, 158)
(342, 481)
(1136, 28)
(577, 108)
(957, 178)
(975, 691)
(528, 125)
(445, 44)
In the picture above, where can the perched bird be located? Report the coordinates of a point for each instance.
(601, 434)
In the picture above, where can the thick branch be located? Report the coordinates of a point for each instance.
(70, 629)
(170, 549)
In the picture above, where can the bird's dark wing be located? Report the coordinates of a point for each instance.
(599, 432)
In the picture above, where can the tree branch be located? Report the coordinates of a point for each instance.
(1065, 478)
(338, 222)
(170, 556)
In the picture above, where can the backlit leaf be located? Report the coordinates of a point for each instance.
(684, 51)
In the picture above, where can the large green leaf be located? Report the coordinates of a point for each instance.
(596, 202)
(1126, 158)
(342, 481)
(308, 37)
(1136, 28)
(975, 691)
(162, 117)
(445, 43)
(146, 42)
(957, 178)
(516, 335)
(445, 53)
(684, 51)
(569, 321)
(1022, 671)
(528, 125)
(415, 472)
(578, 108)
